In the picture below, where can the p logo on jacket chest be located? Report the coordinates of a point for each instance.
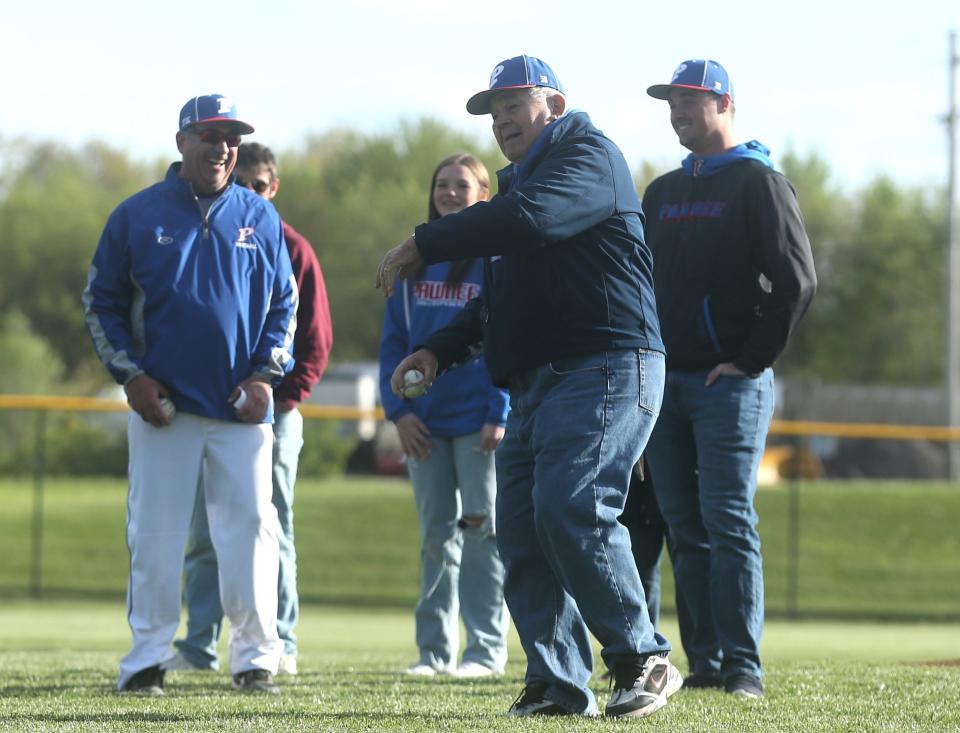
(243, 238)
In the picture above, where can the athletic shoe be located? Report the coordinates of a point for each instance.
(702, 681)
(419, 669)
(474, 669)
(179, 663)
(288, 665)
(532, 701)
(640, 696)
(744, 685)
(256, 681)
(147, 681)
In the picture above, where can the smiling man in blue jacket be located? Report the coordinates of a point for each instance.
(733, 274)
(567, 321)
(191, 306)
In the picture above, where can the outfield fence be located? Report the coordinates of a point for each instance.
(812, 537)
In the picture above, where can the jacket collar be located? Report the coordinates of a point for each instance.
(514, 174)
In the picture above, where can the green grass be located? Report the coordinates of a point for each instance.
(866, 549)
(59, 664)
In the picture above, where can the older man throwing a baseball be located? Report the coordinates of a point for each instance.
(567, 321)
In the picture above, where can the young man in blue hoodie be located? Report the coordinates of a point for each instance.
(733, 274)
(567, 321)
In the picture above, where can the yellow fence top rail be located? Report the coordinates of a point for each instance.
(347, 412)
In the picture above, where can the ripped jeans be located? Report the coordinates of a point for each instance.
(461, 573)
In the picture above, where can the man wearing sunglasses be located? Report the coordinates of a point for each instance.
(257, 170)
(191, 303)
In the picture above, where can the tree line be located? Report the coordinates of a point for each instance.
(880, 251)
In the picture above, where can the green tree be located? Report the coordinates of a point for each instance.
(354, 197)
(52, 213)
(887, 294)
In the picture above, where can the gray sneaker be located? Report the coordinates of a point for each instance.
(255, 681)
(638, 697)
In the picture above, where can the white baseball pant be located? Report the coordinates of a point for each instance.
(165, 465)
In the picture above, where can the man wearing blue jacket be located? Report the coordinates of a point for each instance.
(733, 273)
(190, 303)
(567, 321)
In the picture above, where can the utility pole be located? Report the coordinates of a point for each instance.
(953, 282)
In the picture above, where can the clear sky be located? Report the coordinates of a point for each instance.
(863, 84)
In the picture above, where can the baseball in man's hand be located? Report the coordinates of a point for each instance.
(413, 385)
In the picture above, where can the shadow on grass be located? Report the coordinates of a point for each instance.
(132, 716)
(437, 720)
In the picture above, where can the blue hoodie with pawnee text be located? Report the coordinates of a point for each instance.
(460, 401)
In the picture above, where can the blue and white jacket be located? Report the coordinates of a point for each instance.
(197, 302)
(460, 401)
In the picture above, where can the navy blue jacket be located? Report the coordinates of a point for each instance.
(567, 272)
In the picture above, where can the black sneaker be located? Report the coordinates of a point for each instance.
(702, 681)
(744, 685)
(147, 681)
(532, 701)
(639, 696)
(255, 680)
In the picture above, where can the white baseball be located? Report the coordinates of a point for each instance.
(166, 404)
(241, 400)
(413, 385)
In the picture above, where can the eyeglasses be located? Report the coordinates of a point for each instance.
(215, 137)
(255, 184)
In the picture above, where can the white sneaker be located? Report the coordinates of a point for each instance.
(179, 663)
(474, 669)
(647, 693)
(288, 665)
(421, 670)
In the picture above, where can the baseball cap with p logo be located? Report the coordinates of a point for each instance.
(701, 74)
(520, 72)
(213, 108)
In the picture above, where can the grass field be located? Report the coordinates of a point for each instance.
(58, 662)
(866, 549)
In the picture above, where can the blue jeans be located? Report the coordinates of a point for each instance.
(704, 454)
(575, 430)
(461, 572)
(202, 590)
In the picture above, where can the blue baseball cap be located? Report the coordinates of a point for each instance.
(520, 72)
(212, 108)
(702, 74)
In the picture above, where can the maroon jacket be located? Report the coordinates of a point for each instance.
(314, 337)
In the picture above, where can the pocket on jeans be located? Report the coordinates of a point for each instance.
(575, 364)
(652, 373)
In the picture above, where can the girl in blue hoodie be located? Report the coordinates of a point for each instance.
(449, 436)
